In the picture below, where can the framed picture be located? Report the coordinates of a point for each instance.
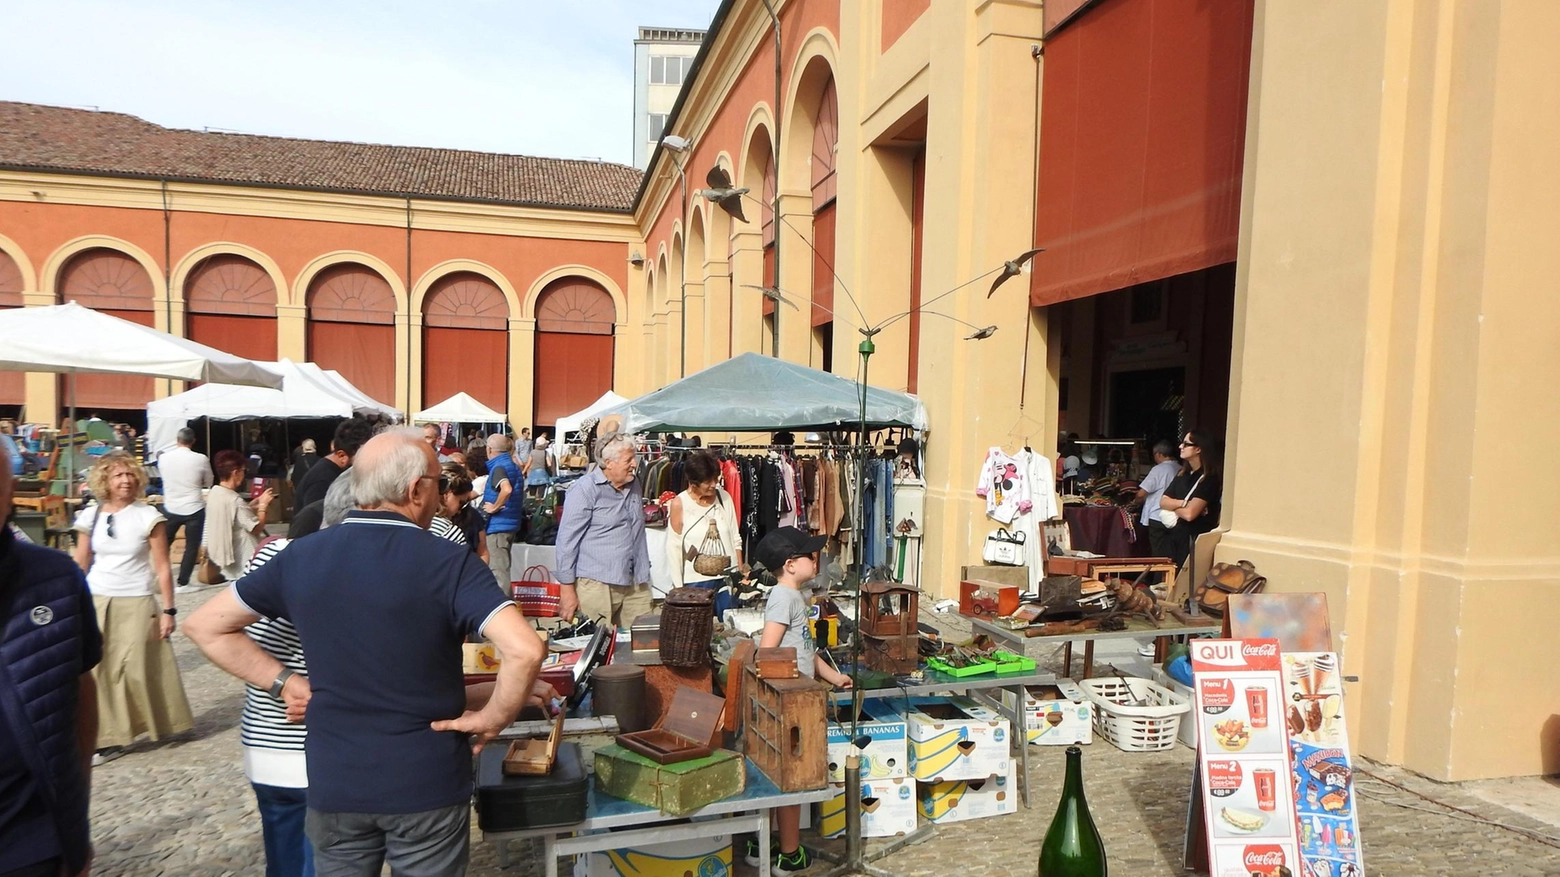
(1057, 536)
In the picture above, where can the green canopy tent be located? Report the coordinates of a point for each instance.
(753, 393)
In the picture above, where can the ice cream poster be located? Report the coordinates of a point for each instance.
(1323, 772)
(1243, 756)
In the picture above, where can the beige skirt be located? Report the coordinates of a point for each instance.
(138, 687)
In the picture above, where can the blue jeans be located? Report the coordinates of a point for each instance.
(723, 599)
(288, 852)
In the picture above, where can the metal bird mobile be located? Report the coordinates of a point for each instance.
(1012, 268)
(722, 192)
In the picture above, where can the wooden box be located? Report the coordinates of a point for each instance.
(1062, 565)
(684, 733)
(1017, 576)
(987, 600)
(675, 789)
(534, 758)
(895, 654)
(785, 732)
(776, 663)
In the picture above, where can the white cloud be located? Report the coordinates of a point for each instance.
(524, 76)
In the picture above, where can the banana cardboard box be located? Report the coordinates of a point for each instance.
(1056, 715)
(886, 757)
(963, 800)
(887, 809)
(955, 738)
(701, 855)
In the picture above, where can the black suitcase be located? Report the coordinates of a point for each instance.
(515, 803)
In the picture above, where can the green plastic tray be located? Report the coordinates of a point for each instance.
(961, 672)
(1007, 662)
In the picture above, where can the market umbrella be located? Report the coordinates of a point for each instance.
(70, 339)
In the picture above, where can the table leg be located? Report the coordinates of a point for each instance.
(1020, 731)
(1088, 659)
(550, 855)
(503, 854)
(1160, 644)
(763, 845)
(1067, 659)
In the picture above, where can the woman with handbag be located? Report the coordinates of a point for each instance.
(122, 545)
(704, 541)
(1191, 504)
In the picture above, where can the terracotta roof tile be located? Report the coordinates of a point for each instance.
(62, 139)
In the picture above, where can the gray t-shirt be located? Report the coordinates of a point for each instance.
(789, 607)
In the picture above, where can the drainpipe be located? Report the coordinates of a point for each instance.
(410, 340)
(167, 272)
(774, 158)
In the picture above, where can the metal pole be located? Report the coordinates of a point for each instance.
(682, 365)
(774, 162)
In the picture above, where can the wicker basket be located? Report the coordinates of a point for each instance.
(687, 626)
(1148, 728)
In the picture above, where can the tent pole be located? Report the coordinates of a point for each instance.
(70, 441)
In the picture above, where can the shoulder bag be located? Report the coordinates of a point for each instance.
(1004, 547)
(1168, 517)
(1225, 579)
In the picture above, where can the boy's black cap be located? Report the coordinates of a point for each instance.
(779, 546)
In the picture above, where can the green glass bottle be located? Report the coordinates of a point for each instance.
(1072, 845)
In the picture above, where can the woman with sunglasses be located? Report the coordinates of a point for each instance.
(1195, 497)
(122, 544)
(455, 492)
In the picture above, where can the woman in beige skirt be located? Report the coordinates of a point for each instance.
(123, 547)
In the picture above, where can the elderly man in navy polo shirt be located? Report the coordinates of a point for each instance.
(382, 606)
(603, 559)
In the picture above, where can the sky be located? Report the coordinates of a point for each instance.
(533, 77)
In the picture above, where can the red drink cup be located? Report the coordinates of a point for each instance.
(1265, 780)
(1257, 706)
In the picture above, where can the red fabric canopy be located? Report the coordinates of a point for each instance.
(1142, 134)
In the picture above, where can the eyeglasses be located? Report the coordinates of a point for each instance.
(1188, 445)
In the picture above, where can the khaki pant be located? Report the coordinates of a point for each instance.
(619, 604)
(138, 685)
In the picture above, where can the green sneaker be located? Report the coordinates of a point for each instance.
(750, 852)
(800, 860)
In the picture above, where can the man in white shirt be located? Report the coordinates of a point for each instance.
(1167, 465)
(184, 475)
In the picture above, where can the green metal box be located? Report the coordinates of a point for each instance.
(675, 789)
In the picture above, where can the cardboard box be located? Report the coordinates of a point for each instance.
(956, 738)
(1055, 715)
(963, 800)
(1017, 576)
(887, 809)
(700, 855)
(886, 757)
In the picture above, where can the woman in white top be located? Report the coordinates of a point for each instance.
(123, 547)
(234, 525)
(703, 520)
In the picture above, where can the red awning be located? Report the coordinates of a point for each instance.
(1142, 134)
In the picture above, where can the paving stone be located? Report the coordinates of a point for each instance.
(183, 807)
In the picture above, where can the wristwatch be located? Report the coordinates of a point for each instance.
(170, 611)
(281, 680)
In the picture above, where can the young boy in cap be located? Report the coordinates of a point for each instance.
(792, 556)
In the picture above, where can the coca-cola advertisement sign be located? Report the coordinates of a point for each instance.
(1230, 654)
(1224, 778)
(1265, 859)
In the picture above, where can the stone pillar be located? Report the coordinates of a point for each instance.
(796, 265)
(715, 333)
(522, 372)
(403, 356)
(292, 332)
(747, 305)
(698, 340)
(43, 394)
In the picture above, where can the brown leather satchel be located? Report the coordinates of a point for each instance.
(1226, 579)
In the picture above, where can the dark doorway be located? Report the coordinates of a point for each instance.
(1146, 404)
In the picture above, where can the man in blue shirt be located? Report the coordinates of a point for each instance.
(503, 501)
(49, 643)
(603, 559)
(381, 607)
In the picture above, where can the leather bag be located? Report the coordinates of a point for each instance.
(1225, 579)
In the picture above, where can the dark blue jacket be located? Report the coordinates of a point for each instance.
(48, 638)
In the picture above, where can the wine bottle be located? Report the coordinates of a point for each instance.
(1072, 845)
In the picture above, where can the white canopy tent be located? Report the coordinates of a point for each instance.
(566, 425)
(351, 391)
(459, 408)
(306, 391)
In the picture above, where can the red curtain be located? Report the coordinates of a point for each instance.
(1142, 134)
(572, 371)
(364, 353)
(474, 361)
(823, 261)
(111, 391)
(249, 337)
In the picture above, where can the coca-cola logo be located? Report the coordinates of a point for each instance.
(1264, 650)
(1264, 855)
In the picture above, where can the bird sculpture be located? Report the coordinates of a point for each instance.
(1012, 268)
(723, 193)
(773, 295)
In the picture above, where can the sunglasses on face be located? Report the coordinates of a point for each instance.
(1188, 445)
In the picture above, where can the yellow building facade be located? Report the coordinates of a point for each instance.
(1391, 306)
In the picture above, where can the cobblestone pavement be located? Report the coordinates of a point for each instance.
(183, 807)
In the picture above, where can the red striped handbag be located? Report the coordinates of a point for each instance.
(536, 592)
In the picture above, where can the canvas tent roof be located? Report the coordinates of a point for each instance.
(753, 393)
(570, 423)
(459, 408)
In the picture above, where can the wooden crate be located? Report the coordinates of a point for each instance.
(785, 732)
(675, 789)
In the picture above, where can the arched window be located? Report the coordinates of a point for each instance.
(13, 384)
(466, 341)
(574, 347)
(351, 327)
(231, 305)
(114, 283)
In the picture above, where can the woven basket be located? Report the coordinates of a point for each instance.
(712, 559)
(1148, 728)
(687, 626)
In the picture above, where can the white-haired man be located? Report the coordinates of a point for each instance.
(603, 559)
(503, 501)
(381, 607)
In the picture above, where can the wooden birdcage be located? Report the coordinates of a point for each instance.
(889, 616)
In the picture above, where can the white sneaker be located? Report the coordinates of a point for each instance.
(1146, 651)
(186, 589)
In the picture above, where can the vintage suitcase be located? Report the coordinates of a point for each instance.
(687, 731)
(785, 731)
(674, 789)
(512, 803)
